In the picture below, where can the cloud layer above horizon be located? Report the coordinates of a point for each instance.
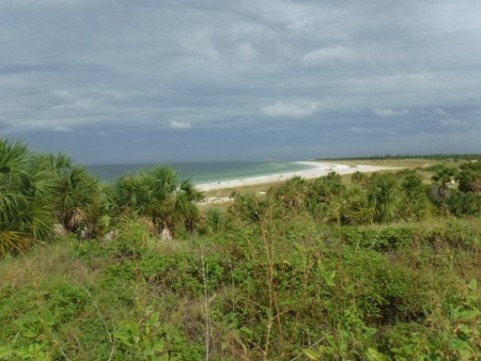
(133, 81)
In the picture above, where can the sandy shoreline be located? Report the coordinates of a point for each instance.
(318, 169)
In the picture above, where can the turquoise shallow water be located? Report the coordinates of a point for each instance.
(204, 172)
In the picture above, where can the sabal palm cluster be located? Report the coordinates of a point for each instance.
(40, 193)
(157, 198)
(43, 195)
(376, 198)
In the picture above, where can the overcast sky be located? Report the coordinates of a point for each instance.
(180, 80)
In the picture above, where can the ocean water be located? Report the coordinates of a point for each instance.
(203, 172)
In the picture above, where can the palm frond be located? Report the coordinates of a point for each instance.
(13, 156)
(15, 242)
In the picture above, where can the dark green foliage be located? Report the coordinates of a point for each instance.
(442, 178)
(469, 177)
(354, 207)
(78, 200)
(42, 195)
(464, 204)
(360, 179)
(321, 195)
(216, 221)
(156, 196)
(379, 239)
(39, 190)
(249, 208)
(384, 197)
(414, 197)
(290, 194)
(25, 210)
(378, 198)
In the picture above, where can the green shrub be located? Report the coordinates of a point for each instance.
(379, 239)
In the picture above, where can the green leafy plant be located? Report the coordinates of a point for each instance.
(142, 341)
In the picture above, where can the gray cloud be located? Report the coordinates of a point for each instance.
(357, 77)
(329, 55)
(290, 110)
(386, 112)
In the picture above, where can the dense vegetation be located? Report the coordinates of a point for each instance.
(377, 267)
(46, 194)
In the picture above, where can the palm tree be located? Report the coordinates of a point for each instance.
(78, 200)
(156, 197)
(125, 194)
(360, 179)
(290, 193)
(25, 210)
(76, 193)
(321, 193)
(441, 179)
(415, 200)
(39, 190)
(352, 207)
(384, 197)
(15, 242)
(469, 177)
(55, 162)
(185, 208)
(13, 157)
(250, 208)
(12, 160)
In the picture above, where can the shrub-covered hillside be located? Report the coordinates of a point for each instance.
(377, 267)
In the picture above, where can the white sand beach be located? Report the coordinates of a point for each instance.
(318, 169)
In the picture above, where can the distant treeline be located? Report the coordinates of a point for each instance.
(407, 156)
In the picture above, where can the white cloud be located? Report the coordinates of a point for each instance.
(200, 45)
(61, 128)
(357, 129)
(440, 111)
(453, 122)
(329, 55)
(291, 110)
(80, 104)
(246, 51)
(386, 112)
(176, 124)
